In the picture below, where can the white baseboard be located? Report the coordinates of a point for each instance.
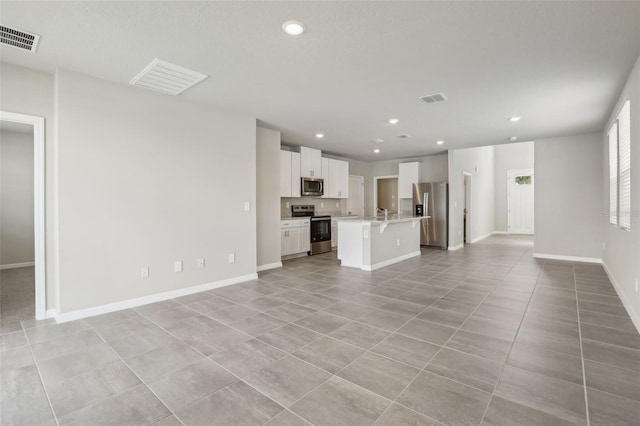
(475, 240)
(635, 317)
(379, 265)
(500, 232)
(458, 247)
(51, 313)
(152, 298)
(17, 265)
(567, 258)
(268, 266)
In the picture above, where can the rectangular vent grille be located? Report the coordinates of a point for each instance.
(166, 77)
(19, 39)
(436, 97)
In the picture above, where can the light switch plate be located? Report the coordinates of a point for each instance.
(247, 206)
(144, 272)
(200, 262)
(177, 266)
(232, 258)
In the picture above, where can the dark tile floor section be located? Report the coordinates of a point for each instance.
(485, 335)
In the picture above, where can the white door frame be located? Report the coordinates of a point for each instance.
(361, 179)
(38, 206)
(516, 172)
(468, 205)
(375, 191)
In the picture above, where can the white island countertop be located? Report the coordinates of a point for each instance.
(373, 243)
(377, 220)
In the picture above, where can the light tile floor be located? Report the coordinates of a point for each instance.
(485, 335)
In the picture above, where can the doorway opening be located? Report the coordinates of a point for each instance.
(520, 201)
(22, 218)
(355, 202)
(466, 208)
(385, 194)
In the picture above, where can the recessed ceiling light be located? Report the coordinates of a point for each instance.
(376, 151)
(379, 140)
(293, 28)
(393, 121)
(319, 135)
(513, 138)
(403, 136)
(439, 142)
(514, 119)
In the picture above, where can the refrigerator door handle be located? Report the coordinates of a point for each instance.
(425, 212)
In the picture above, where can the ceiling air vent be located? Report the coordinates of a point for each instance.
(166, 77)
(436, 97)
(19, 39)
(403, 136)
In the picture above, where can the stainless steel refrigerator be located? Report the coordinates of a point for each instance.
(432, 199)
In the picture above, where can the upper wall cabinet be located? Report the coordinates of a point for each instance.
(289, 174)
(338, 179)
(408, 174)
(310, 162)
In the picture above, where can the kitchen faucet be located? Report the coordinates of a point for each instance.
(386, 213)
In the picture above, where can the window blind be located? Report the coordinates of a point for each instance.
(613, 174)
(624, 147)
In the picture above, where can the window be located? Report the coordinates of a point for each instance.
(620, 169)
(613, 174)
(523, 180)
(624, 155)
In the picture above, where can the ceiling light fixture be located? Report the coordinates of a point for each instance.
(393, 121)
(293, 28)
(376, 151)
(439, 142)
(514, 119)
(513, 138)
(319, 135)
(379, 140)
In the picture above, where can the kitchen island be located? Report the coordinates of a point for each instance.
(374, 243)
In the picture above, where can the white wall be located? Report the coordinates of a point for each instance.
(31, 92)
(267, 196)
(16, 198)
(516, 156)
(568, 196)
(480, 163)
(621, 255)
(146, 179)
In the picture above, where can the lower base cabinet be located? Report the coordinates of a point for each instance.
(295, 237)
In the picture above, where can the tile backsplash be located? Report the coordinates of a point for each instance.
(324, 206)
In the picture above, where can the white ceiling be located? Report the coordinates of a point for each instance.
(559, 65)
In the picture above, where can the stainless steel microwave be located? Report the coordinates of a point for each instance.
(311, 187)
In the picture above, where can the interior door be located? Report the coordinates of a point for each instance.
(355, 203)
(520, 184)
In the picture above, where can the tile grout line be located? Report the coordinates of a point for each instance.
(44, 388)
(504, 364)
(584, 374)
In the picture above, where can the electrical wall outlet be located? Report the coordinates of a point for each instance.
(365, 234)
(200, 262)
(232, 258)
(321, 205)
(338, 205)
(177, 266)
(144, 272)
(398, 243)
(247, 206)
(459, 233)
(286, 204)
(603, 245)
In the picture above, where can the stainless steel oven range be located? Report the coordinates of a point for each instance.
(320, 228)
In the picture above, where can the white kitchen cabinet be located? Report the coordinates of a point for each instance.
(295, 174)
(294, 236)
(310, 162)
(289, 174)
(338, 179)
(408, 174)
(327, 177)
(285, 173)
